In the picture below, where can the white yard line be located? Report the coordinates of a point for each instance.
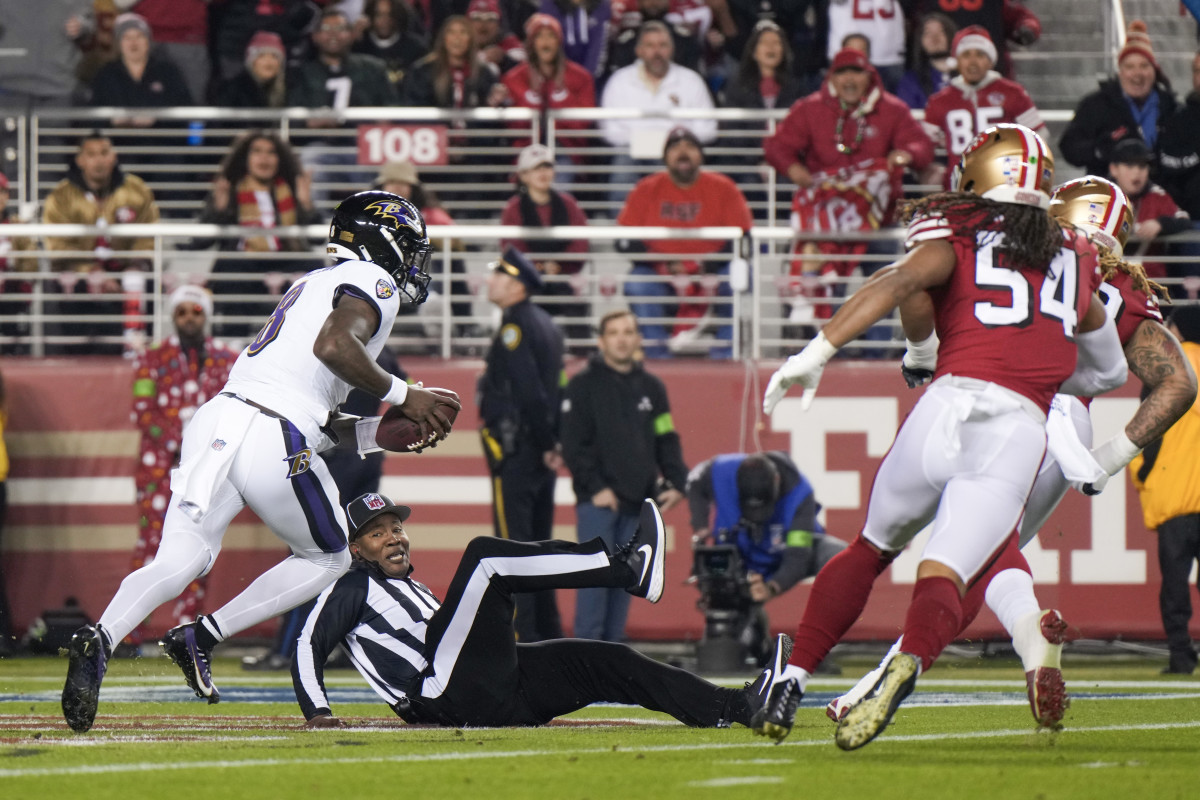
(305, 760)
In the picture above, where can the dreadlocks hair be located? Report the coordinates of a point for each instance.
(1111, 264)
(1040, 235)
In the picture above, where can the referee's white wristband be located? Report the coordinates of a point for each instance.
(397, 393)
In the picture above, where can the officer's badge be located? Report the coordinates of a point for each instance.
(510, 334)
(383, 289)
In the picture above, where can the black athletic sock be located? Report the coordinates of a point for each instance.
(208, 633)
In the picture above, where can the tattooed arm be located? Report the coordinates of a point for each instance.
(1156, 358)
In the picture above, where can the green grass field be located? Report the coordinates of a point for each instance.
(965, 733)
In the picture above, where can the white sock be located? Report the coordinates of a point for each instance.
(792, 671)
(281, 588)
(1010, 597)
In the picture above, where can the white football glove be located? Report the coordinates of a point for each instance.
(919, 361)
(1112, 456)
(805, 369)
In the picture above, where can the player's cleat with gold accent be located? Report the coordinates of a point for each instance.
(180, 644)
(645, 554)
(866, 720)
(1038, 639)
(88, 655)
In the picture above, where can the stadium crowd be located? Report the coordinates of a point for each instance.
(850, 147)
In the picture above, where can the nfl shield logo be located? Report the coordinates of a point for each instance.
(374, 502)
(218, 444)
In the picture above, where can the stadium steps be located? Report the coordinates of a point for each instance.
(1069, 59)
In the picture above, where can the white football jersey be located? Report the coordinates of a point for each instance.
(881, 21)
(278, 369)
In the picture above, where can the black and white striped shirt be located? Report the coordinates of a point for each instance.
(381, 621)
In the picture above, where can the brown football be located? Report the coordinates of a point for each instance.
(400, 434)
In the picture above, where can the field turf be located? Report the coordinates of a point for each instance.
(965, 733)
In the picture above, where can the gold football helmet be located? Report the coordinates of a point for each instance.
(1095, 206)
(1007, 163)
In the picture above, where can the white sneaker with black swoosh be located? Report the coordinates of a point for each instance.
(645, 554)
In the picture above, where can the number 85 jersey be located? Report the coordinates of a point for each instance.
(1008, 323)
(278, 369)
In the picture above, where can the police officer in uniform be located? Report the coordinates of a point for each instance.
(519, 397)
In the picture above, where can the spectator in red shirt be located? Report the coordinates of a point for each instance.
(845, 147)
(683, 196)
(537, 204)
(1154, 212)
(547, 79)
(977, 99)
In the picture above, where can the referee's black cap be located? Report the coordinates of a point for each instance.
(367, 507)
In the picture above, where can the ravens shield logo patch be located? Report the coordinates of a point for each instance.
(384, 289)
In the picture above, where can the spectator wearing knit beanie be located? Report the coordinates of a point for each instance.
(1135, 103)
(261, 83)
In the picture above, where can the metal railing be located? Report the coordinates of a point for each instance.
(742, 310)
(179, 157)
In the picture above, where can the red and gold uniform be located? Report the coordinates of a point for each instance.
(990, 309)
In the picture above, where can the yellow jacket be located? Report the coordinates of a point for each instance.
(1172, 487)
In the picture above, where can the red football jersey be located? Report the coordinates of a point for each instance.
(1127, 306)
(1006, 323)
(954, 115)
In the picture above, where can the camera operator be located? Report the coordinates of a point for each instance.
(761, 505)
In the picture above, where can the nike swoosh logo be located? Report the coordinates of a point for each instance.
(767, 684)
(646, 560)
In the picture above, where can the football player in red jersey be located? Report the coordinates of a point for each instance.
(1101, 210)
(1017, 314)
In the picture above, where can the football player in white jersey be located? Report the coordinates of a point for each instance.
(256, 445)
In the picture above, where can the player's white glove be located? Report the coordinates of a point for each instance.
(1112, 456)
(920, 361)
(805, 369)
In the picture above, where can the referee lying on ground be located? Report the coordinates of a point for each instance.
(457, 663)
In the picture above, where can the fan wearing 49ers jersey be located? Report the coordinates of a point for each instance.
(1015, 304)
(977, 98)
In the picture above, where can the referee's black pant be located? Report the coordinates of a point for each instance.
(485, 678)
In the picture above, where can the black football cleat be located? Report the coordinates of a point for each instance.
(645, 554)
(88, 653)
(180, 644)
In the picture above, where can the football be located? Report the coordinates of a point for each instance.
(400, 434)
